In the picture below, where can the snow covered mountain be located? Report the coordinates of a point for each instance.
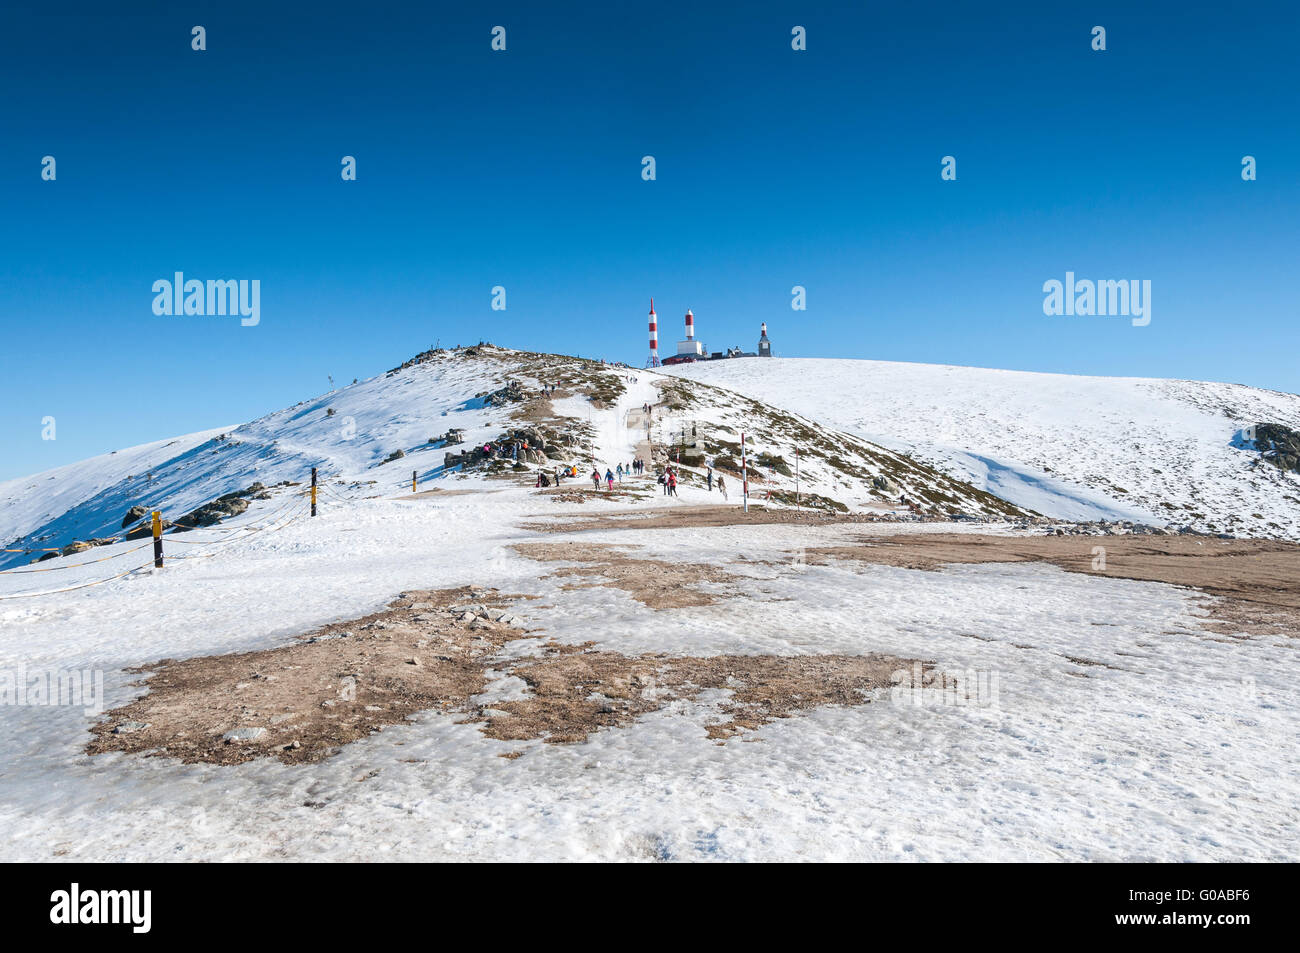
(368, 438)
(1069, 447)
(494, 670)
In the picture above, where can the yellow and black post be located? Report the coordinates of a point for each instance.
(313, 491)
(157, 539)
(414, 486)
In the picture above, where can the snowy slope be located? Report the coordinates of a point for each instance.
(350, 434)
(28, 503)
(1066, 446)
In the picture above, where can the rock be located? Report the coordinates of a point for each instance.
(886, 485)
(213, 513)
(467, 617)
(145, 529)
(134, 515)
(412, 661)
(130, 727)
(243, 734)
(1278, 445)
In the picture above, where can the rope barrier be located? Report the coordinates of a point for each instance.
(289, 521)
(88, 562)
(267, 524)
(99, 582)
(84, 585)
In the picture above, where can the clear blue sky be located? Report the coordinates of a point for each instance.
(523, 169)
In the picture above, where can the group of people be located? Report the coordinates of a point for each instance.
(558, 475)
(504, 449)
(668, 479)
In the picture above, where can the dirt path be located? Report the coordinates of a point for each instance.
(695, 515)
(1258, 579)
(639, 420)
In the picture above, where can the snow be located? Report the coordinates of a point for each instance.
(1184, 750)
(1069, 447)
(1179, 746)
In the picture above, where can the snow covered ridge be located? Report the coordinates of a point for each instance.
(1166, 452)
(424, 415)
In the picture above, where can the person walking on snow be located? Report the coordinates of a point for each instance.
(620, 473)
(722, 487)
(672, 483)
(710, 478)
(609, 479)
(595, 478)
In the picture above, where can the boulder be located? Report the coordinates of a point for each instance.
(145, 529)
(210, 514)
(134, 515)
(885, 485)
(1278, 445)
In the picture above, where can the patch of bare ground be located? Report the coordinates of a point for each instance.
(688, 516)
(435, 491)
(1256, 582)
(300, 703)
(652, 582)
(573, 695)
(574, 492)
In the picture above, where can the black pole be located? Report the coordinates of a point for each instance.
(157, 540)
(313, 491)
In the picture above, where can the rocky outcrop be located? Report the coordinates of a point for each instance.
(223, 507)
(508, 446)
(1278, 445)
(885, 485)
(80, 546)
(134, 515)
(511, 393)
(145, 529)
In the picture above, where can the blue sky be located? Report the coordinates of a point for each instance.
(523, 169)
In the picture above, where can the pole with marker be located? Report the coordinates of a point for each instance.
(414, 473)
(744, 474)
(313, 491)
(796, 477)
(157, 540)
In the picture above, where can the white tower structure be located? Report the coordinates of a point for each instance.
(690, 347)
(654, 337)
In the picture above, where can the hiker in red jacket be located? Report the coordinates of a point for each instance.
(595, 478)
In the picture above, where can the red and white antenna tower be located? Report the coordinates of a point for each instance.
(690, 325)
(654, 337)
